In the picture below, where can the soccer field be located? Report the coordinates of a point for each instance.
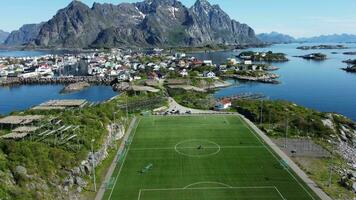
(201, 157)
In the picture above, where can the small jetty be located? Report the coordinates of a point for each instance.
(61, 104)
(243, 96)
(271, 79)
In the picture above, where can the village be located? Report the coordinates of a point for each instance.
(127, 65)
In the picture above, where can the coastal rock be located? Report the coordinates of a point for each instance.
(322, 47)
(75, 177)
(314, 56)
(74, 87)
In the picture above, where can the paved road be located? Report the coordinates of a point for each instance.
(173, 105)
(101, 192)
(291, 164)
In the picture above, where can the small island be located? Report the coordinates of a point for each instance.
(263, 56)
(349, 61)
(314, 56)
(353, 53)
(351, 69)
(322, 47)
(75, 87)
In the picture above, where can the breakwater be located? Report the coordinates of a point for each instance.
(56, 80)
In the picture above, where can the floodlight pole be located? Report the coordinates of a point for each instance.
(269, 119)
(285, 144)
(261, 115)
(127, 107)
(93, 162)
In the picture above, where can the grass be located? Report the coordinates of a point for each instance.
(318, 170)
(201, 157)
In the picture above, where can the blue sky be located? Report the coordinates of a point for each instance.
(295, 17)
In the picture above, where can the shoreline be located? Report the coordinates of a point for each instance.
(56, 80)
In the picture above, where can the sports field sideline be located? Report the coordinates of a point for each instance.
(201, 157)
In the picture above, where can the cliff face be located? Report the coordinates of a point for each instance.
(27, 33)
(145, 24)
(3, 36)
(212, 25)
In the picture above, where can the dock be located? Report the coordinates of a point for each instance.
(61, 104)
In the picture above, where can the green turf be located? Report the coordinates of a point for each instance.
(201, 157)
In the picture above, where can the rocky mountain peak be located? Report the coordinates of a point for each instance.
(202, 3)
(146, 23)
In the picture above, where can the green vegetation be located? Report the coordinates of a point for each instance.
(142, 102)
(201, 157)
(267, 56)
(319, 171)
(193, 99)
(48, 162)
(314, 56)
(151, 59)
(301, 121)
(209, 47)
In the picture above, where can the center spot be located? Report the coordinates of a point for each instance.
(197, 148)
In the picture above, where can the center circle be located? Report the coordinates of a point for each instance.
(197, 148)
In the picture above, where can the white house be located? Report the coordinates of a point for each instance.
(209, 74)
(184, 73)
(233, 61)
(248, 62)
(123, 76)
(156, 68)
(254, 67)
(137, 78)
(208, 62)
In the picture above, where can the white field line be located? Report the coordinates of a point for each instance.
(222, 147)
(208, 188)
(280, 194)
(248, 126)
(123, 162)
(227, 122)
(208, 182)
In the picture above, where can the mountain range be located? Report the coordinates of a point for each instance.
(3, 36)
(275, 37)
(149, 23)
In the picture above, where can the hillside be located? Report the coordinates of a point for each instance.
(3, 36)
(275, 38)
(149, 23)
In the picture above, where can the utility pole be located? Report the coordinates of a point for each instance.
(331, 168)
(330, 175)
(261, 115)
(127, 107)
(269, 119)
(285, 144)
(93, 162)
